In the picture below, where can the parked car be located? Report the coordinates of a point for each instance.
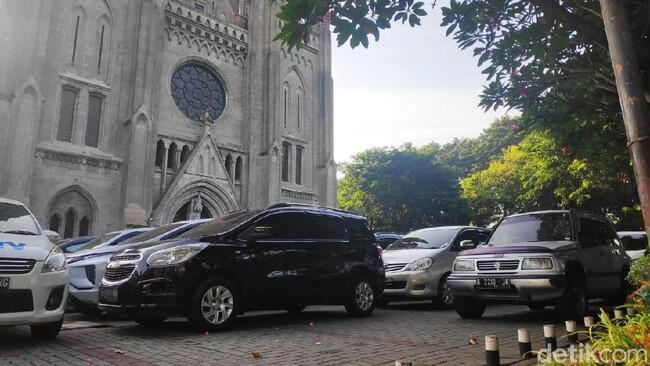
(72, 245)
(87, 264)
(33, 277)
(561, 258)
(285, 257)
(418, 264)
(634, 242)
(384, 239)
(87, 267)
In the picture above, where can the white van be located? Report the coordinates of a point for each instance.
(33, 276)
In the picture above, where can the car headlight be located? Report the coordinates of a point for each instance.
(464, 265)
(537, 263)
(55, 261)
(176, 255)
(419, 265)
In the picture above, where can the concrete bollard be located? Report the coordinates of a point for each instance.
(619, 315)
(492, 351)
(589, 322)
(550, 340)
(525, 347)
(572, 331)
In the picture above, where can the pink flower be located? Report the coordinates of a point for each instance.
(566, 150)
(514, 127)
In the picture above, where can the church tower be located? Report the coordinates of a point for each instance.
(123, 112)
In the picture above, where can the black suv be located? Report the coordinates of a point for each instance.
(285, 257)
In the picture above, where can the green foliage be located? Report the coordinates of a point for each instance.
(632, 333)
(401, 189)
(353, 21)
(639, 271)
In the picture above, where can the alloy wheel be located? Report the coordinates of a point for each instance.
(364, 296)
(217, 304)
(447, 298)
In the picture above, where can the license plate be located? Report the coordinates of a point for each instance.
(493, 283)
(4, 284)
(108, 294)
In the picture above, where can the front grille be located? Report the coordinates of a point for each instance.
(392, 267)
(120, 273)
(126, 257)
(16, 266)
(504, 265)
(16, 301)
(395, 285)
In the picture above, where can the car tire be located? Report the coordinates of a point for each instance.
(150, 322)
(536, 306)
(573, 304)
(360, 297)
(295, 309)
(214, 305)
(46, 330)
(469, 308)
(444, 299)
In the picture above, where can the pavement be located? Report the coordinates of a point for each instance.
(321, 335)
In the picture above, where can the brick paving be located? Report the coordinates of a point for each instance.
(319, 336)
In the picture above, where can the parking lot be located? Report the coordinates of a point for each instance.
(407, 332)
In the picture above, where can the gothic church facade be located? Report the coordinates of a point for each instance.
(121, 113)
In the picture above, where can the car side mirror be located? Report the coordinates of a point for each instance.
(258, 233)
(52, 235)
(467, 244)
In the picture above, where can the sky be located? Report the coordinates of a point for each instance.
(414, 85)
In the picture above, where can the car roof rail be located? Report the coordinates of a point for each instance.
(286, 204)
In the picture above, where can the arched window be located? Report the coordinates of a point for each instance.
(84, 226)
(68, 227)
(160, 153)
(285, 105)
(55, 222)
(213, 166)
(185, 154)
(238, 169)
(229, 165)
(201, 165)
(71, 213)
(171, 156)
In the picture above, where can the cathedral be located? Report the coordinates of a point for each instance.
(127, 113)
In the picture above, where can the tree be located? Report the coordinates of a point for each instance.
(401, 189)
(540, 173)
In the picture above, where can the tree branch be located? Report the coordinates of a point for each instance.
(573, 22)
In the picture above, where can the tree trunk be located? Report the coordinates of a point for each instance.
(631, 95)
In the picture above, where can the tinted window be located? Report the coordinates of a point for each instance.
(425, 239)
(15, 219)
(220, 225)
(360, 230)
(635, 241)
(468, 235)
(591, 233)
(554, 226)
(324, 227)
(287, 225)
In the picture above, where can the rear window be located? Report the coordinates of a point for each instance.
(635, 241)
(325, 227)
(359, 229)
(15, 219)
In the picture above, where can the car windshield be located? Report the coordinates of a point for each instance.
(425, 239)
(15, 219)
(635, 241)
(554, 226)
(151, 234)
(98, 241)
(219, 225)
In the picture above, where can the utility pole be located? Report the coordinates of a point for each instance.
(631, 95)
